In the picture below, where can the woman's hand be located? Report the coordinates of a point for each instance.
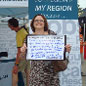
(23, 48)
(68, 48)
(84, 43)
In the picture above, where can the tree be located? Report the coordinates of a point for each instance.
(80, 11)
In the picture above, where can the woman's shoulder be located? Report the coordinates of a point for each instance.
(50, 32)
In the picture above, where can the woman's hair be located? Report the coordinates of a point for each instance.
(45, 23)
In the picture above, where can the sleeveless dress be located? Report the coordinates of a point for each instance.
(42, 72)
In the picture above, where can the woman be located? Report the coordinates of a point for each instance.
(42, 72)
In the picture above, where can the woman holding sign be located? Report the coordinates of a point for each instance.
(42, 72)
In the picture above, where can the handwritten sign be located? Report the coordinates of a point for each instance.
(45, 47)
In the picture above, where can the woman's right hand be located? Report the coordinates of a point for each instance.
(23, 48)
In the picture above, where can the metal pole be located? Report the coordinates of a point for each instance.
(83, 38)
(84, 31)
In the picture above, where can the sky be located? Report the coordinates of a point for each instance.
(82, 3)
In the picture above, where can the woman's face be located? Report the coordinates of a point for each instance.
(38, 23)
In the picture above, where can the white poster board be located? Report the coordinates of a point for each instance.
(45, 47)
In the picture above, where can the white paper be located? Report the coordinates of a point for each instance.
(45, 47)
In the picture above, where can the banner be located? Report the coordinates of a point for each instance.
(6, 73)
(53, 9)
(7, 43)
(8, 49)
(62, 16)
(13, 3)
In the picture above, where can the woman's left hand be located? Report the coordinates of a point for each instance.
(68, 48)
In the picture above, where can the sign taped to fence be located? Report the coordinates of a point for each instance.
(46, 47)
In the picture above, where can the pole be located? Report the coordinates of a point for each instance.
(83, 42)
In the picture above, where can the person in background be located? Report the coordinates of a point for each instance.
(42, 71)
(21, 65)
(82, 44)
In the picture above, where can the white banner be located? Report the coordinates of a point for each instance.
(13, 3)
(72, 76)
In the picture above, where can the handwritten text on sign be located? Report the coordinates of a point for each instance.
(45, 47)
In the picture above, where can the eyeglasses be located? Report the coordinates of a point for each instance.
(39, 21)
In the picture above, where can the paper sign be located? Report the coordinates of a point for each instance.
(45, 47)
